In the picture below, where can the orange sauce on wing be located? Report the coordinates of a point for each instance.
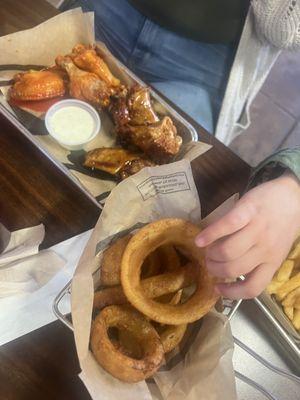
(36, 105)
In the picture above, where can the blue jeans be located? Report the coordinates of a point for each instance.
(191, 74)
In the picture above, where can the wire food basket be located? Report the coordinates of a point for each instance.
(229, 309)
(229, 306)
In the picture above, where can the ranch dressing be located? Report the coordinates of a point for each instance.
(72, 124)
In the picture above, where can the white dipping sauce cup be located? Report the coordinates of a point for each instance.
(72, 145)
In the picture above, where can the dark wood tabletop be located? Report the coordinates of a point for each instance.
(43, 364)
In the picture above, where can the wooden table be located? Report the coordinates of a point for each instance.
(43, 364)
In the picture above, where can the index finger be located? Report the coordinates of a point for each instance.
(233, 221)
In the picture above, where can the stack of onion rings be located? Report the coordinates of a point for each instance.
(142, 278)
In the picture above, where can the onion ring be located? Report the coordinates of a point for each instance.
(171, 335)
(151, 266)
(146, 240)
(163, 259)
(153, 287)
(111, 358)
(111, 262)
(169, 258)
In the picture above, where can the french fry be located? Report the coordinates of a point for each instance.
(295, 253)
(273, 286)
(288, 286)
(297, 303)
(289, 311)
(285, 285)
(296, 320)
(289, 300)
(284, 272)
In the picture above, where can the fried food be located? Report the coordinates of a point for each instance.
(140, 107)
(138, 125)
(296, 319)
(119, 162)
(150, 267)
(135, 166)
(285, 285)
(163, 259)
(288, 286)
(285, 271)
(38, 85)
(295, 253)
(290, 299)
(152, 287)
(110, 357)
(83, 74)
(171, 336)
(297, 303)
(133, 107)
(167, 231)
(87, 59)
(289, 312)
(111, 262)
(84, 85)
(158, 141)
(147, 316)
(129, 345)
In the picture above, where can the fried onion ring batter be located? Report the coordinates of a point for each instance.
(179, 233)
(111, 358)
(111, 262)
(153, 287)
(171, 336)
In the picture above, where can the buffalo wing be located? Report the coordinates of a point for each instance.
(116, 161)
(85, 85)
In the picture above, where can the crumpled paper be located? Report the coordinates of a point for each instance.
(205, 371)
(23, 269)
(26, 312)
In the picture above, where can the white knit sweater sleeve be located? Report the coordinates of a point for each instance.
(278, 22)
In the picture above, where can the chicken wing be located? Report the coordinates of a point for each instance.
(87, 59)
(158, 141)
(38, 85)
(140, 107)
(85, 85)
(133, 107)
(115, 161)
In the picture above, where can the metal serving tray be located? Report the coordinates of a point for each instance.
(229, 306)
(184, 128)
(284, 328)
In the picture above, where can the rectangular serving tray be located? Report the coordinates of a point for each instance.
(184, 128)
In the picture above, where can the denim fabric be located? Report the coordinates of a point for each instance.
(191, 74)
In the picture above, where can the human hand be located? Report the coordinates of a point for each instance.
(254, 237)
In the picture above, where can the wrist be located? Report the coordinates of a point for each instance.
(292, 184)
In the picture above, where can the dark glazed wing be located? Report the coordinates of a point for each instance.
(115, 161)
(158, 141)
